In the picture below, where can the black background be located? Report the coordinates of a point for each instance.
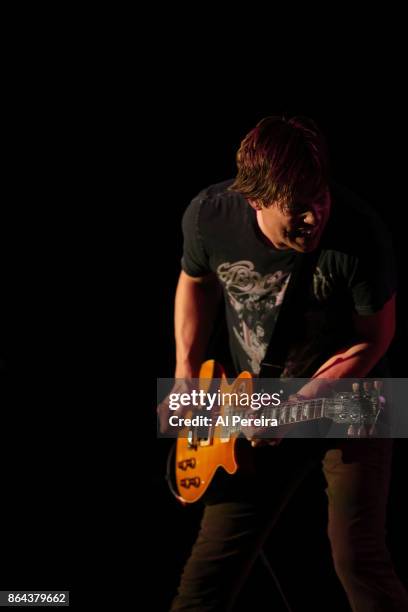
(70, 131)
(201, 140)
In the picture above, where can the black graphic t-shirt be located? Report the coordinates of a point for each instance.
(354, 273)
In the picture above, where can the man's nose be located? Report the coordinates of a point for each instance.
(311, 217)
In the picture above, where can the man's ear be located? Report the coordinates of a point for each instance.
(255, 204)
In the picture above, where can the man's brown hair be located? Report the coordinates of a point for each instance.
(282, 160)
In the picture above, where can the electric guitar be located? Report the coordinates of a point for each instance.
(198, 456)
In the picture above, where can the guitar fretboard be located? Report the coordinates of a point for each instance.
(284, 414)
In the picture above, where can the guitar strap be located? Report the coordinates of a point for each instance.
(290, 315)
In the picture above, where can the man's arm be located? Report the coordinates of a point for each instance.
(196, 304)
(374, 334)
(194, 314)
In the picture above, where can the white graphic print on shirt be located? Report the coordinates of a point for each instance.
(253, 297)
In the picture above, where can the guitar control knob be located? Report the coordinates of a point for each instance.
(356, 387)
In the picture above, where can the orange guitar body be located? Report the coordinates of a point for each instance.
(200, 452)
(198, 460)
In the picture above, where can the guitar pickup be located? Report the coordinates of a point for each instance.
(190, 482)
(186, 463)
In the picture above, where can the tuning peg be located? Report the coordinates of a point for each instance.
(378, 385)
(356, 387)
(367, 387)
(352, 431)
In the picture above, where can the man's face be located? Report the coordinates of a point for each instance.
(299, 228)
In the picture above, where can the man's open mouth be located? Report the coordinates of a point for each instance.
(305, 233)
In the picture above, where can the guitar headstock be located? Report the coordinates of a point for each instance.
(358, 408)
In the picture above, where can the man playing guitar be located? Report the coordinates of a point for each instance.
(242, 239)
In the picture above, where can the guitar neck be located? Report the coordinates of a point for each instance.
(286, 413)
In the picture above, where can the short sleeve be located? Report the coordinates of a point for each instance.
(373, 278)
(194, 261)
